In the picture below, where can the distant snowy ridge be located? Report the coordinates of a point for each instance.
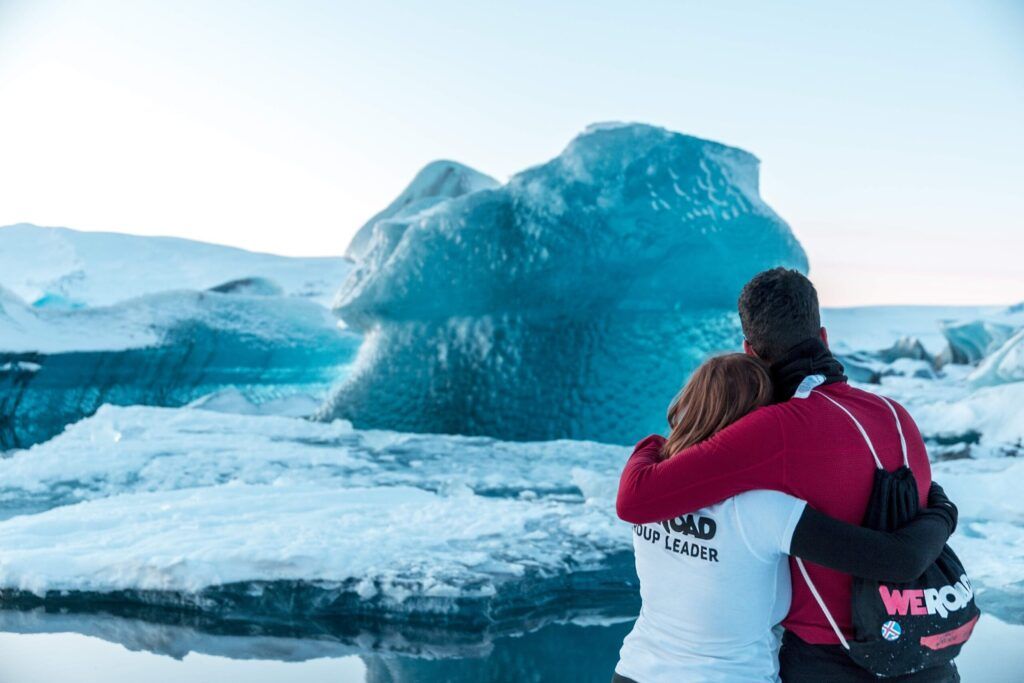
(436, 182)
(66, 268)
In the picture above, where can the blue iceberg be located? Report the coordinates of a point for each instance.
(971, 340)
(570, 302)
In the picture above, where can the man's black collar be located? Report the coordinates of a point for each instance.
(809, 357)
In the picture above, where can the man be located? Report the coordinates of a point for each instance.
(803, 445)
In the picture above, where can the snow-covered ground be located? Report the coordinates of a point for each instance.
(401, 523)
(63, 268)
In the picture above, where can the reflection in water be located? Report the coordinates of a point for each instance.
(36, 647)
(558, 652)
(158, 652)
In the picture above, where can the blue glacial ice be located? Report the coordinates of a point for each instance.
(57, 366)
(436, 182)
(1005, 364)
(570, 302)
(973, 339)
(992, 341)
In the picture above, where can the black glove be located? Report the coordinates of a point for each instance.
(939, 502)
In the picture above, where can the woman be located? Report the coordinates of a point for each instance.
(715, 584)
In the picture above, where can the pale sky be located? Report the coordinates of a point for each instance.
(890, 133)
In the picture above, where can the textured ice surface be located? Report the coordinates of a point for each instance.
(62, 268)
(1005, 364)
(160, 349)
(436, 182)
(276, 517)
(386, 543)
(138, 449)
(571, 302)
(974, 338)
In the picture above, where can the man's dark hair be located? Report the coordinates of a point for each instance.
(778, 310)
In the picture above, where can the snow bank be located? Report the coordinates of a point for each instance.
(985, 422)
(143, 449)
(392, 541)
(275, 517)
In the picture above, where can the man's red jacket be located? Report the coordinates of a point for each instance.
(806, 447)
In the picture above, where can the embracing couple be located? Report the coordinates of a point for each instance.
(773, 463)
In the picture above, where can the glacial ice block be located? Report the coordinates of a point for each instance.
(971, 340)
(571, 302)
(436, 182)
(1005, 364)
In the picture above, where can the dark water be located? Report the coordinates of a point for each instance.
(123, 650)
(42, 651)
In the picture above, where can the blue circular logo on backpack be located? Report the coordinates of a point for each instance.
(891, 630)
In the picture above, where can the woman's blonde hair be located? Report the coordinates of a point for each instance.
(722, 390)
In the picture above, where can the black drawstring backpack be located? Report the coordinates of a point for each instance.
(901, 628)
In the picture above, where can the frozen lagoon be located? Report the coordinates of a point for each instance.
(205, 535)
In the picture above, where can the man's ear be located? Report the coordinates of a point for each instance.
(823, 333)
(749, 350)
